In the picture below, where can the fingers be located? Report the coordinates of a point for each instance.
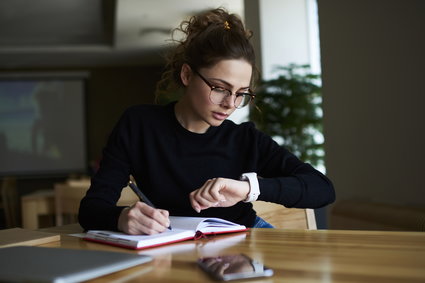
(216, 265)
(143, 219)
(209, 195)
(219, 192)
(203, 197)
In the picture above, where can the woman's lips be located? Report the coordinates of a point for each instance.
(220, 116)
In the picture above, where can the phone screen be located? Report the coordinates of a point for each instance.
(232, 267)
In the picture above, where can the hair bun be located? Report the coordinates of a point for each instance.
(208, 37)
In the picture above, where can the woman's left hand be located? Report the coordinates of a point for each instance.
(219, 192)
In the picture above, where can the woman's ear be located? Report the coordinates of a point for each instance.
(185, 74)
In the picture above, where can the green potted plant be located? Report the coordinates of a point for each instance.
(288, 108)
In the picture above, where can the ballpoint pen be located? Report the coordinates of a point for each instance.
(142, 196)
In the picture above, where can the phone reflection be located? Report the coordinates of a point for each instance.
(231, 264)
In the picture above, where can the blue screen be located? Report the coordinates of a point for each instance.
(42, 127)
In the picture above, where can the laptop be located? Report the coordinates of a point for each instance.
(59, 265)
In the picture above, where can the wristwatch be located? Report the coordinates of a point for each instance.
(254, 190)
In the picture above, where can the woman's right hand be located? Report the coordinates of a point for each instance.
(141, 218)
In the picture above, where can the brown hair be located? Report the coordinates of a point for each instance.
(209, 37)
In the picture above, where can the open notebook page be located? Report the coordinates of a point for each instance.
(205, 225)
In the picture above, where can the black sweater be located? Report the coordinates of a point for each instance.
(168, 162)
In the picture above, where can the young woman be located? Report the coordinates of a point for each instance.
(186, 157)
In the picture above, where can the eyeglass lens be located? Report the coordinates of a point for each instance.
(219, 95)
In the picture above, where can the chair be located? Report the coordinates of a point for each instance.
(286, 218)
(38, 209)
(69, 194)
(9, 201)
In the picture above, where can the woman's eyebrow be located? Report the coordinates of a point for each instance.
(227, 83)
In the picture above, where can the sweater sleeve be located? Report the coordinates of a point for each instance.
(98, 209)
(286, 180)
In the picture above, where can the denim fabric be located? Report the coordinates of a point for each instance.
(261, 223)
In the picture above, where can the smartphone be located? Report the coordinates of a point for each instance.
(233, 267)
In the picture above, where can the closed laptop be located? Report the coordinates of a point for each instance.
(40, 264)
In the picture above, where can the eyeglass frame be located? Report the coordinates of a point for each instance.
(250, 94)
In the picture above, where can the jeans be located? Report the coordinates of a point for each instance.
(261, 223)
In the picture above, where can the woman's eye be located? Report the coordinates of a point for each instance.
(221, 90)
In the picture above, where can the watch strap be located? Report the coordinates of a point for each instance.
(254, 190)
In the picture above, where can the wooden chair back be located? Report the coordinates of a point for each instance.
(286, 218)
(9, 201)
(69, 194)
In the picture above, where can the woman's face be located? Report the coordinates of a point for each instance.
(234, 75)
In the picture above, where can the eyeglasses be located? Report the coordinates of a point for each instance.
(220, 94)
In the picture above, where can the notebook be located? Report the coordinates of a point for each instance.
(184, 228)
(58, 265)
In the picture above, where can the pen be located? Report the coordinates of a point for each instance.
(142, 196)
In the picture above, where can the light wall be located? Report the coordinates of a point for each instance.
(373, 66)
(284, 34)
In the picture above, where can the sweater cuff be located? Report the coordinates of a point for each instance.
(116, 215)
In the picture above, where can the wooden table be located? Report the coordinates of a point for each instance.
(294, 255)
